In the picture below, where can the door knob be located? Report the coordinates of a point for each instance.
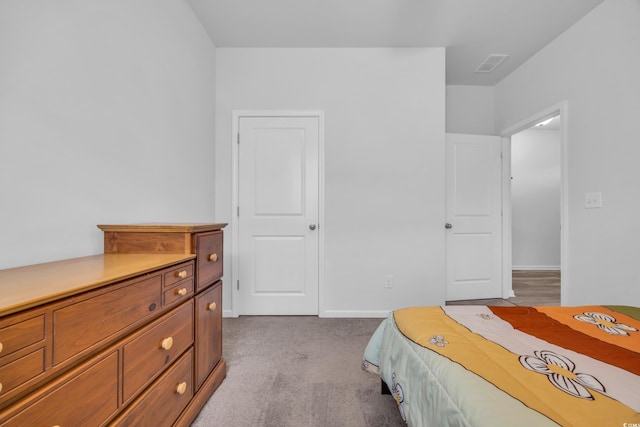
(448, 225)
(312, 227)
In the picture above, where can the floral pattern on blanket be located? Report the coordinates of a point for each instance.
(560, 372)
(438, 340)
(398, 395)
(606, 323)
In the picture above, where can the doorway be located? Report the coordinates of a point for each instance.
(535, 213)
(278, 204)
(535, 225)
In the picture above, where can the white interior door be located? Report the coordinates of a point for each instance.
(474, 217)
(278, 194)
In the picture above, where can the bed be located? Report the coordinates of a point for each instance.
(511, 366)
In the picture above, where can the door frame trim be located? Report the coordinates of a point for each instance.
(235, 235)
(562, 108)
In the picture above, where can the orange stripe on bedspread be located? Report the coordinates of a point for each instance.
(538, 324)
(618, 329)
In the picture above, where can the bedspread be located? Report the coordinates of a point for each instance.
(506, 366)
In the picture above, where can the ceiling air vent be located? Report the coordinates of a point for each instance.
(491, 62)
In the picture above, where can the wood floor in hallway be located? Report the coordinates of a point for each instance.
(531, 287)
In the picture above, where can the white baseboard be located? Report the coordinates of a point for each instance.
(355, 314)
(337, 314)
(536, 267)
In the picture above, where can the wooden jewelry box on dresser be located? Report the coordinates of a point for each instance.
(129, 338)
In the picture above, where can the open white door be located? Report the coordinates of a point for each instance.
(474, 219)
(278, 194)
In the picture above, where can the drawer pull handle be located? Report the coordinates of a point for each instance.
(0, 387)
(1, 347)
(182, 274)
(212, 306)
(167, 343)
(182, 291)
(213, 257)
(182, 387)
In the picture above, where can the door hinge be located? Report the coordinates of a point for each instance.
(238, 211)
(238, 284)
(238, 139)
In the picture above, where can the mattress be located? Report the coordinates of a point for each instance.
(505, 366)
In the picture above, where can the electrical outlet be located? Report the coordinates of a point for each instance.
(592, 200)
(388, 281)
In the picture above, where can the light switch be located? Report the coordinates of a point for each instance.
(592, 200)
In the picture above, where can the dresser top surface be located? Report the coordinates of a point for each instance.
(163, 227)
(29, 286)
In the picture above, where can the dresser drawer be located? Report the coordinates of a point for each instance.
(87, 396)
(209, 257)
(161, 404)
(177, 274)
(21, 370)
(155, 348)
(88, 322)
(181, 291)
(20, 335)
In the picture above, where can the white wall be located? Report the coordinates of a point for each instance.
(535, 199)
(106, 116)
(594, 66)
(384, 151)
(470, 109)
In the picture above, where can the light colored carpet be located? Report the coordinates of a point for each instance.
(297, 371)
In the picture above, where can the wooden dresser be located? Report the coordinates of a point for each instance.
(127, 339)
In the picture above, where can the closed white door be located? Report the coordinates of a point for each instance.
(474, 217)
(278, 188)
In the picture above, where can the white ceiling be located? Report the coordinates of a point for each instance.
(469, 29)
